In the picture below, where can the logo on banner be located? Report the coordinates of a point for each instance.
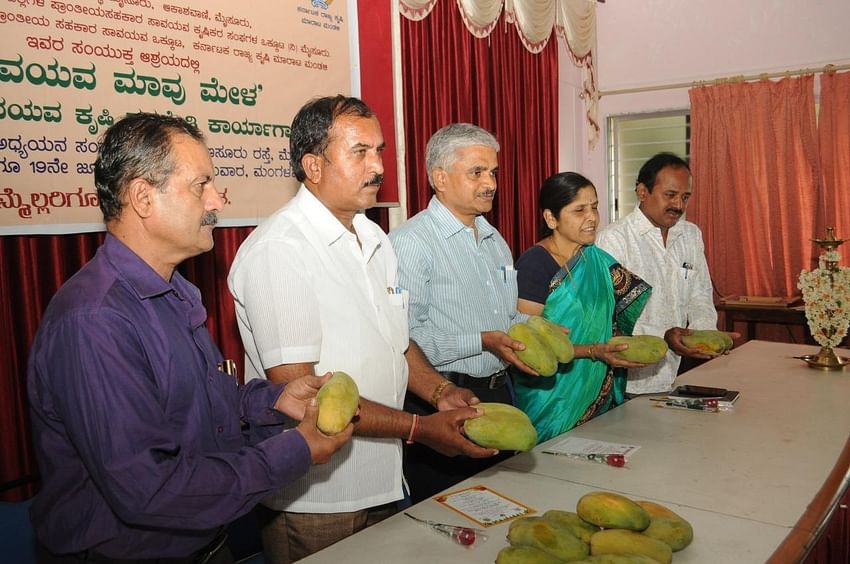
(323, 4)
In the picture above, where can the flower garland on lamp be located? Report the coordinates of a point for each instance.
(826, 293)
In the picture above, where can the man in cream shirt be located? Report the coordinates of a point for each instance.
(657, 244)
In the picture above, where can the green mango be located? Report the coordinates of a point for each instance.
(338, 399)
(709, 341)
(525, 555)
(548, 537)
(537, 354)
(572, 522)
(667, 526)
(502, 427)
(646, 349)
(551, 334)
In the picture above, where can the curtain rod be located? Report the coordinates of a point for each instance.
(726, 80)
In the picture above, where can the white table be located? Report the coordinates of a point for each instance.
(743, 478)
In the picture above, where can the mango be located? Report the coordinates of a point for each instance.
(612, 511)
(646, 349)
(502, 427)
(617, 559)
(537, 355)
(709, 341)
(338, 399)
(622, 541)
(525, 555)
(551, 334)
(572, 522)
(543, 534)
(667, 526)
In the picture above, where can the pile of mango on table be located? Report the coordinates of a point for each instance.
(606, 528)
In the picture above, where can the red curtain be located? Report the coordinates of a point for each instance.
(834, 134)
(754, 158)
(450, 76)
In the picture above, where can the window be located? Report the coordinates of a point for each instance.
(632, 140)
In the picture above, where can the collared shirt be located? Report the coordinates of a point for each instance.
(681, 286)
(308, 290)
(136, 430)
(459, 287)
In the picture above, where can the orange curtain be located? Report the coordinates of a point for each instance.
(754, 159)
(834, 133)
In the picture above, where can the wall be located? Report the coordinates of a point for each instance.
(651, 42)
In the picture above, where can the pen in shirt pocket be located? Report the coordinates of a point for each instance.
(505, 269)
(688, 267)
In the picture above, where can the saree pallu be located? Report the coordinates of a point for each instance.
(591, 295)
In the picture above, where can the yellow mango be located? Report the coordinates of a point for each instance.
(525, 555)
(551, 334)
(646, 349)
(617, 559)
(667, 526)
(502, 427)
(537, 354)
(338, 399)
(612, 511)
(572, 522)
(709, 341)
(622, 541)
(548, 537)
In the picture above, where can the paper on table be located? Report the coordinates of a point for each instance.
(577, 445)
(484, 506)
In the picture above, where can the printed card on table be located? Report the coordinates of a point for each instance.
(484, 506)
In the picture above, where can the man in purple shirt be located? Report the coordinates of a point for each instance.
(146, 448)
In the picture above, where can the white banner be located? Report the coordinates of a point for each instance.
(238, 70)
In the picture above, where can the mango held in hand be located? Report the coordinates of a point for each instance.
(709, 341)
(646, 349)
(622, 541)
(551, 334)
(502, 427)
(667, 526)
(537, 354)
(338, 399)
(541, 533)
(612, 511)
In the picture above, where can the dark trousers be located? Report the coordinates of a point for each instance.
(216, 552)
(429, 472)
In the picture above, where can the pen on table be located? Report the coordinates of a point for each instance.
(615, 459)
(692, 404)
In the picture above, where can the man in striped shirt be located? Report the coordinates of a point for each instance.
(462, 285)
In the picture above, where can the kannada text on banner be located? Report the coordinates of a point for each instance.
(238, 70)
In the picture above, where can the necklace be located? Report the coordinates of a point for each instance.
(558, 252)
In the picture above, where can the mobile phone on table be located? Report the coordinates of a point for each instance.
(699, 391)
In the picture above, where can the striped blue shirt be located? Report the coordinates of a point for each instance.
(459, 287)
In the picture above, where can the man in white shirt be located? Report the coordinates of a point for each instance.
(667, 251)
(315, 291)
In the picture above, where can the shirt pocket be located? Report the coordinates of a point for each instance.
(397, 317)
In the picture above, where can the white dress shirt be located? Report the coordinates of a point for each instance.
(681, 286)
(307, 292)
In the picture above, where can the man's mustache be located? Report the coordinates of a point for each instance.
(210, 218)
(677, 211)
(376, 180)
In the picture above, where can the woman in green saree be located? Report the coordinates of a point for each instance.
(568, 280)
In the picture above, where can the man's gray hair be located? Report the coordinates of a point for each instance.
(442, 148)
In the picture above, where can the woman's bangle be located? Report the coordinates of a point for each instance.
(592, 353)
(412, 429)
(438, 391)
